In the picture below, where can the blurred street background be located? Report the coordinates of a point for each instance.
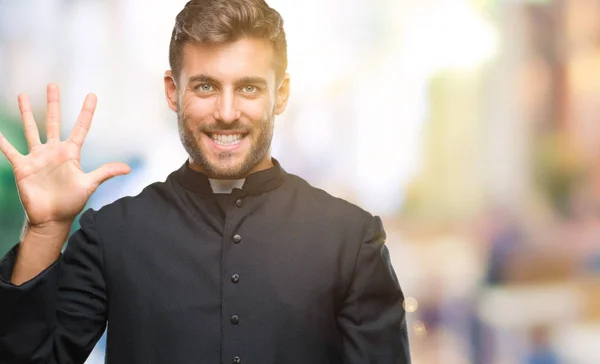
(471, 127)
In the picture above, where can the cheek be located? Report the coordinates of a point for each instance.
(256, 110)
(196, 109)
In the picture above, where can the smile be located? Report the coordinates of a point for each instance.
(226, 139)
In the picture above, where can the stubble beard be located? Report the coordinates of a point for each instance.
(223, 168)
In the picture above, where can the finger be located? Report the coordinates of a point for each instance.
(32, 135)
(84, 121)
(106, 172)
(11, 153)
(53, 112)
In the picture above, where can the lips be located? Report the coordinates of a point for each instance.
(226, 139)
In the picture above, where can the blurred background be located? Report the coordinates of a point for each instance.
(471, 127)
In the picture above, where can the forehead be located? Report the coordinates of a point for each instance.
(245, 57)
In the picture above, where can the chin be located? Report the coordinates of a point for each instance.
(227, 170)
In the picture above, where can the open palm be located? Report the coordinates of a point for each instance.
(51, 184)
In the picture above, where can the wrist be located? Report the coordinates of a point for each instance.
(51, 234)
(48, 229)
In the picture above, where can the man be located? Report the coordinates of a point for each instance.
(230, 260)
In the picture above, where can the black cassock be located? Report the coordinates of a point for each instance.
(275, 272)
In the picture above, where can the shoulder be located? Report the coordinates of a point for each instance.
(330, 221)
(324, 205)
(148, 205)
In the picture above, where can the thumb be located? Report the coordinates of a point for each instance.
(106, 172)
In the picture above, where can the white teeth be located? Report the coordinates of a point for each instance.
(226, 139)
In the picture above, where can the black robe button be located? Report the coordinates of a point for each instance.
(235, 278)
(237, 360)
(235, 319)
(238, 202)
(237, 238)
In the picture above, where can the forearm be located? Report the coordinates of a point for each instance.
(40, 247)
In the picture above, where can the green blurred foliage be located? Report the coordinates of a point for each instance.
(11, 212)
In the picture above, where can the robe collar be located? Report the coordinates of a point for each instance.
(254, 184)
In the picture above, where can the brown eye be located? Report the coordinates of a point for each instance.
(249, 89)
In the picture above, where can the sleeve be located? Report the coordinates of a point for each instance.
(372, 319)
(58, 316)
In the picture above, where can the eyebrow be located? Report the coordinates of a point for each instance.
(203, 78)
(251, 80)
(244, 80)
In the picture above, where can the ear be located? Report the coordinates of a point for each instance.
(283, 94)
(171, 91)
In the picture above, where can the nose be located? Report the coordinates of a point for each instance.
(226, 109)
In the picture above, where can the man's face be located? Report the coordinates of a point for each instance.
(226, 100)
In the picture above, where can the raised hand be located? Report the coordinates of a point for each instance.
(52, 187)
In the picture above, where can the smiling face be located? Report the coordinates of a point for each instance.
(226, 99)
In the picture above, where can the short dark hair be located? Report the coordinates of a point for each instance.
(220, 21)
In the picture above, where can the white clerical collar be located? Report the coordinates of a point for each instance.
(225, 185)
